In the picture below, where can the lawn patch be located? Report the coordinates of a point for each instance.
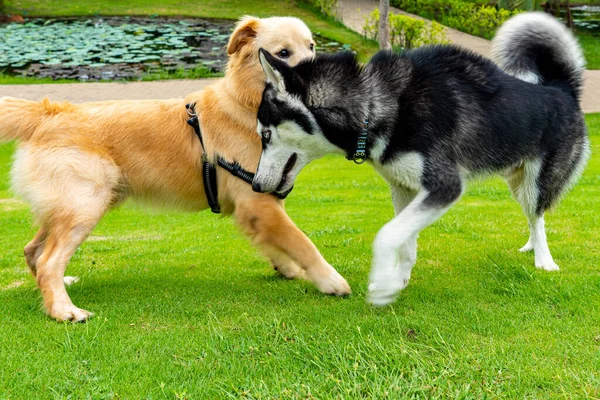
(186, 308)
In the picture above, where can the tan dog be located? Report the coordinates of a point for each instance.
(74, 162)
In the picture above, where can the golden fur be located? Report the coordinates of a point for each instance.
(74, 162)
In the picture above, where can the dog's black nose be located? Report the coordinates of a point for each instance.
(256, 187)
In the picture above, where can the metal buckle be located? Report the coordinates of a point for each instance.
(191, 109)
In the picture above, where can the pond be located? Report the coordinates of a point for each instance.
(118, 48)
(585, 18)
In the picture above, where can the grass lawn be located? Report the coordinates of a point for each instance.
(201, 8)
(591, 50)
(197, 73)
(185, 308)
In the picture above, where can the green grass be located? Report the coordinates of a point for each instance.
(591, 50)
(185, 308)
(161, 74)
(26, 80)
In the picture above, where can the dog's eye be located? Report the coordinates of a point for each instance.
(266, 135)
(312, 47)
(283, 53)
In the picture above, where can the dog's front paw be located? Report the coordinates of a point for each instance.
(547, 265)
(384, 292)
(333, 283)
(69, 313)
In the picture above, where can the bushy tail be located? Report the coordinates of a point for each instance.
(19, 118)
(537, 48)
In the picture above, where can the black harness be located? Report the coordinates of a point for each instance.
(209, 170)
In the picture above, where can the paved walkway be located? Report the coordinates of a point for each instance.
(82, 92)
(354, 13)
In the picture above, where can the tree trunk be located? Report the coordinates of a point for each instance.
(569, 16)
(384, 25)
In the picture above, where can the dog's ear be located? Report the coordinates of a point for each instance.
(274, 69)
(244, 32)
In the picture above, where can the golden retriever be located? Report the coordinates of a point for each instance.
(76, 161)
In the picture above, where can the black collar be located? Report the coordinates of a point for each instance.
(360, 154)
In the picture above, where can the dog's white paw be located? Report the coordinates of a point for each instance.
(384, 292)
(528, 247)
(333, 283)
(405, 276)
(69, 280)
(547, 265)
(69, 313)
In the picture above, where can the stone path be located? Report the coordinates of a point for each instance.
(353, 12)
(82, 92)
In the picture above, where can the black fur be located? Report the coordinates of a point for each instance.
(277, 111)
(455, 108)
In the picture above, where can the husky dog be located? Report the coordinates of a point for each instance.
(429, 119)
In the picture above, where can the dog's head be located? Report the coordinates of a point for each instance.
(294, 100)
(287, 38)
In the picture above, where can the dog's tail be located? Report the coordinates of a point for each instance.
(537, 48)
(19, 118)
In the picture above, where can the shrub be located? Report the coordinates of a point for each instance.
(468, 17)
(326, 7)
(405, 32)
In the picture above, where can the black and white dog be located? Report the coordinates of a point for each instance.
(427, 120)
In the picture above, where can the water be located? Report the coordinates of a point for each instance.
(585, 18)
(117, 48)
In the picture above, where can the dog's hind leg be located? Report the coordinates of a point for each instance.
(34, 249)
(399, 235)
(62, 241)
(69, 226)
(263, 218)
(525, 186)
(69, 190)
(407, 254)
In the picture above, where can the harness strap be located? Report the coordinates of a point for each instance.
(209, 175)
(236, 170)
(209, 172)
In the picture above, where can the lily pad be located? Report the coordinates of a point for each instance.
(126, 47)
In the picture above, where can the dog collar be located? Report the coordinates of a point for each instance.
(360, 155)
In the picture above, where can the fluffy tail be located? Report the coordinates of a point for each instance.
(537, 48)
(19, 118)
